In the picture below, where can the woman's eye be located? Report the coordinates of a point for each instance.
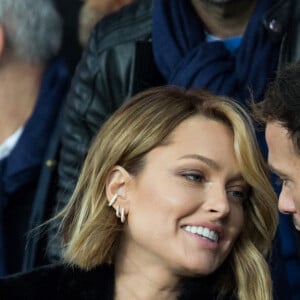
(239, 195)
(193, 177)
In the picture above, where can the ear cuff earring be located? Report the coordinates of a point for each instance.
(120, 212)
(113, 199)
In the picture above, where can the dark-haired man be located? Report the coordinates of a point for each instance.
(280, 111)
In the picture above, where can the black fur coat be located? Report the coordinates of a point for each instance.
(59, 282)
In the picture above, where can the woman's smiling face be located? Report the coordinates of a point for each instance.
(186, 205)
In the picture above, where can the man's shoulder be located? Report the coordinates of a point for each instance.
(131, 23)
(57, 282)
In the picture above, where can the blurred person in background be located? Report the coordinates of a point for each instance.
(33, 84)
(79, 17)
(93, 11)
(70, 48)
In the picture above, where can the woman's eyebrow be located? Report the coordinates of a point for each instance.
(211, 163)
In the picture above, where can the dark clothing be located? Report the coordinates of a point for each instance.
(19, 172)
(71, 49)
(43, 202)
(289, 253)
(60, 282)
(119, 62)
(185, 58)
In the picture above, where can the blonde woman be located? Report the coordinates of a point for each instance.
(173, 202)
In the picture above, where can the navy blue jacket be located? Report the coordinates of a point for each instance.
(20, 171)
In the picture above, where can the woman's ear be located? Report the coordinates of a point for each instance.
(118, 183)
(117, 186)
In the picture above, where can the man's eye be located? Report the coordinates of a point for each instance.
(279, 181)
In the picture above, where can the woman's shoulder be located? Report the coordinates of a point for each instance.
(59, 282)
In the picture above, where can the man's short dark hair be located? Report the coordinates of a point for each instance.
(282, 102)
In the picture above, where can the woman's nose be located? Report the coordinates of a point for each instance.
(217, 202)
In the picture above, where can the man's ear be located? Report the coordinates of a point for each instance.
(117, 183)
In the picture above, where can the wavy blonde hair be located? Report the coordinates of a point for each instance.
(90, 230)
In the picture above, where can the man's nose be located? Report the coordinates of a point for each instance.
(285, 202)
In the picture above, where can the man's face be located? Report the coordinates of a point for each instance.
(285, 162)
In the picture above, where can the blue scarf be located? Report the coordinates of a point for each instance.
(184, 57)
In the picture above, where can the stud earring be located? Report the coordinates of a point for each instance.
(113, 199)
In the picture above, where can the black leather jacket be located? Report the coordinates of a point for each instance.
(118, 62)
(103, 79)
